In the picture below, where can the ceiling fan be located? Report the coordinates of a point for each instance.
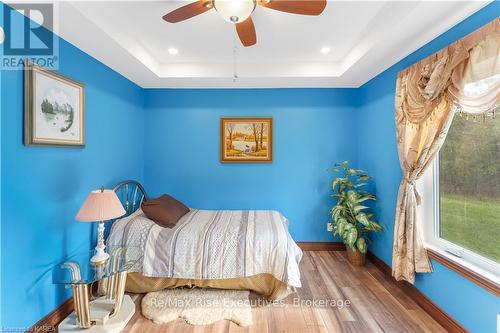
(238, 12)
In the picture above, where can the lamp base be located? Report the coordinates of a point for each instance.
(99, 258)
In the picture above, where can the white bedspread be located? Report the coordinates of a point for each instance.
(213, 245)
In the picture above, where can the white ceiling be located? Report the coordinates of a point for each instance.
(365, 38)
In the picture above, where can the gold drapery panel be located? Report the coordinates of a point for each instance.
(464, 76)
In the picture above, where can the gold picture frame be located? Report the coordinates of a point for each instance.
(246, 140)
(54, 109)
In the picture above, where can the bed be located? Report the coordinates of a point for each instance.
(225, 249)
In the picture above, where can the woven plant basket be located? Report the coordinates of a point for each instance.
(356, 258)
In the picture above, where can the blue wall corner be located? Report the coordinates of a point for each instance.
(471, 305)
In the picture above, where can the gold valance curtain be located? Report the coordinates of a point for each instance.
(464, 77)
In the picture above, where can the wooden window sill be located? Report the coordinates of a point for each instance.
(466, 272)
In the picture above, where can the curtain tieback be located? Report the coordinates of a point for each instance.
(411, 183)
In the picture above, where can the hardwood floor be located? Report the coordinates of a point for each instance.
(377, 304)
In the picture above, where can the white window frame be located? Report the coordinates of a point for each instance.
(428, 214)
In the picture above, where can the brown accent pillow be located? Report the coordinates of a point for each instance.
(165, 211)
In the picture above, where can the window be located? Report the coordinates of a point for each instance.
(469, 186)
(461, 191)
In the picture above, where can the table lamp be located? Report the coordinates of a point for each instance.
(100, 205)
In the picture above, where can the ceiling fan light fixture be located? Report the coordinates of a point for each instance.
(234, 11)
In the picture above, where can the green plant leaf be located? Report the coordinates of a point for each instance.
(351, 237)
(335, 230)
(336, 182)
(340, 227)
(361, 245)
(352, 196)
(363, 219)
(337, 211)
(365, 197)
(374, 226)
(359, 208)
(351, 171)
(343, 164)
(346, 228)
(342, 220)
(349, 226)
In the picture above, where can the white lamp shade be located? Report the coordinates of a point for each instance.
(234, 11)
(100, 205)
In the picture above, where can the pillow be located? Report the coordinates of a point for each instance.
(164, 211)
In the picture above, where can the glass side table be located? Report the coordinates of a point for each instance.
(110, 309)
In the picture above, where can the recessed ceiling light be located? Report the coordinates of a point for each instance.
(173, 51)
(325, 49)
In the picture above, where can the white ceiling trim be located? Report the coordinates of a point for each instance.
(393, 32)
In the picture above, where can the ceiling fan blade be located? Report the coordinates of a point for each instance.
(188, 11)
(302, 7)
(246, 32)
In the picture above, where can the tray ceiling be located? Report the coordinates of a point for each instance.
(364, 39)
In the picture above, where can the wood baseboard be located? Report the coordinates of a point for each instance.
(444, 319)
(321, 246)
(49, 322)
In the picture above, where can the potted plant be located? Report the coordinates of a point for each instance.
(351, 218)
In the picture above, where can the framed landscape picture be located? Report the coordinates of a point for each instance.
(246, 140)
(54, 109)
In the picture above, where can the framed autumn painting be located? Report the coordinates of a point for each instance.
(246, 140)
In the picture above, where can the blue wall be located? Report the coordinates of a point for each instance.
(471, 305)
(43, 188)
(313, 128)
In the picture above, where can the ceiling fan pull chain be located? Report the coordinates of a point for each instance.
(235, 69)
